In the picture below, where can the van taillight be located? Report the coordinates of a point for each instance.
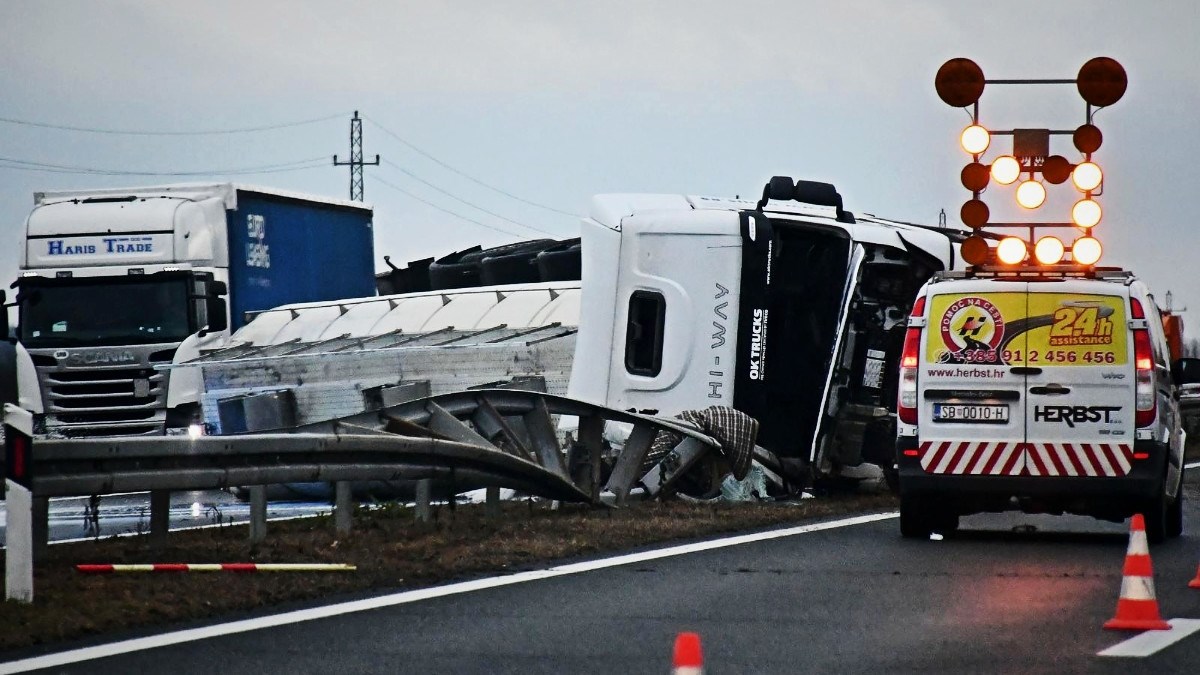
(918, 307)
(1147, 401)
(1135, 309)
(906, 405)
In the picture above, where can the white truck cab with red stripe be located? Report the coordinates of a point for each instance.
(1039, 391)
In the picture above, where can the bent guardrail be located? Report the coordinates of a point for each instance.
(467, 440)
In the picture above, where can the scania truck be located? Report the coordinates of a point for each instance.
(114, 282)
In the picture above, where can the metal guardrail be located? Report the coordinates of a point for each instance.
(70, 467)
(464, 440)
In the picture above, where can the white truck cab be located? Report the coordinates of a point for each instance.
(1042, 391)
(790, 309)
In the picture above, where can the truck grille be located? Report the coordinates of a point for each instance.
(100, 401)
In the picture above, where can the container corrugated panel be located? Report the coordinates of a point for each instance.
(284, 250)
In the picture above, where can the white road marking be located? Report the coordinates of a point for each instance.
(1153, 641)
(193, 634)
(1193, 465)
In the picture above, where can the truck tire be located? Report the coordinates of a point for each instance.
(563, 262)
(916, 521)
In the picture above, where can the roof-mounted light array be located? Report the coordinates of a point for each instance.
(1101, 82)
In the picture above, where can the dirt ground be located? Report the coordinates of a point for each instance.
(391, 551)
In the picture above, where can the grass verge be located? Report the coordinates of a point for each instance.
(392, 552)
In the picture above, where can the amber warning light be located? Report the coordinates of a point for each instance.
(1029, 164)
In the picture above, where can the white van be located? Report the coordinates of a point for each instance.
(1039, 391)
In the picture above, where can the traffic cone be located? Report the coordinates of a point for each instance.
(1195, 583)
(687, 660)
(1137, 609)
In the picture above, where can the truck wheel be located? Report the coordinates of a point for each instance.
(1175, 515)
(915, 520)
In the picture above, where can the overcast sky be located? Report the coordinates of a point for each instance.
(552, 102)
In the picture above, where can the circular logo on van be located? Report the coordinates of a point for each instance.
(972, 327)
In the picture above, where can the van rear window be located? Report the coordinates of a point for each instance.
(1038, 329)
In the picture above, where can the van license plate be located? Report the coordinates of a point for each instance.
(956, 412)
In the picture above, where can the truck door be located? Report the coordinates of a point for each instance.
(971, 384)
(1079, 408)
(841, 349)
(675, 333)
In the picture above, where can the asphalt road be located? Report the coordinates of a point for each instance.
(1009, 593)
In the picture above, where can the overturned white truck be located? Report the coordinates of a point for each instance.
(791, 309)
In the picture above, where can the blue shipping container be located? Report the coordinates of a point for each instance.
(284, 250)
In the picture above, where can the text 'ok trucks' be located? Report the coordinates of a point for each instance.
(114, 282)
(1040, 390)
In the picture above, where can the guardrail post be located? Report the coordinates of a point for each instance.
(424, 491)
(20, 539)
(160, 517)
(343, 506)
(491, 507)
(258, 513)
(18, 559)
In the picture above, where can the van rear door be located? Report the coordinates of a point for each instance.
(1080, 388)
(971, 385)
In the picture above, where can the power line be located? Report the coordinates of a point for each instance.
(465, 175)
(27, 165)
(460, 199)
(444, 210)
(132, 132)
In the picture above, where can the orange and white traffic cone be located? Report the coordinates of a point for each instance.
(1137, 609)
(687, 659)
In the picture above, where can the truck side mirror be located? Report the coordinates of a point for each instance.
(215, 308)
(1185, 371)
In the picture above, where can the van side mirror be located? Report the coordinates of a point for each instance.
(1185, 371)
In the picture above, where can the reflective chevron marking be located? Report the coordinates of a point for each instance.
(990, 458)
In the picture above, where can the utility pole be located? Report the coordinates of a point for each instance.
(356, 162)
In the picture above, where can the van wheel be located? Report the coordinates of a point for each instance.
(947, 523)
(915, 519)
(892, 476)
(1175, 515)
(1156, 518)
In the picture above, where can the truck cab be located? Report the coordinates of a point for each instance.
(790, 309)
(115, 284)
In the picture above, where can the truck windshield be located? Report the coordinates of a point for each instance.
(83, 311)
